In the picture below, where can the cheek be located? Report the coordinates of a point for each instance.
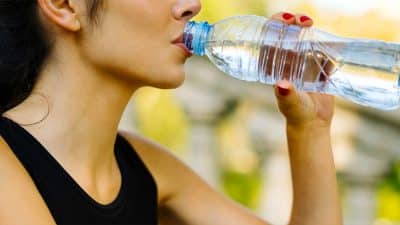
(132, 41)
(143, 16)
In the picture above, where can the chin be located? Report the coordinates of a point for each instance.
(172, 81)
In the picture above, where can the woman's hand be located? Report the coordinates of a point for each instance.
(302, 109)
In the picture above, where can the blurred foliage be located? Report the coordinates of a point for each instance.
(237, 155)
(241, 177)
(341, 181)
(216, 10)
(161, 118)
(244, 188)
(389, 196)
(372, 24)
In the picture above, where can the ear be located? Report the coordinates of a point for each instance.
(61, 12)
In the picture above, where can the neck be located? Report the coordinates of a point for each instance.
(85, 109)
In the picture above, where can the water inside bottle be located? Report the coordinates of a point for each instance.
(366, 86)
(364, 72)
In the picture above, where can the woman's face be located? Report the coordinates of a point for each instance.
(134, 40)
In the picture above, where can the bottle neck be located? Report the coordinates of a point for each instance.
(195, 37)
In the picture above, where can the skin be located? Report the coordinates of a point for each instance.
(88, 91)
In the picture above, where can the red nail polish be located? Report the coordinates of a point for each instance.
(283, 91)
(304, 19)
(287, 16)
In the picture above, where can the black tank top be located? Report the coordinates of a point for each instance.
(136, 203)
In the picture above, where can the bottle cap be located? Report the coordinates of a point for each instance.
(195, 37)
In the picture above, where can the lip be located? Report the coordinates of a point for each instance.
(178, 40)
(179, 43)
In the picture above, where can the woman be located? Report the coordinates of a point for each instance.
(68, 69)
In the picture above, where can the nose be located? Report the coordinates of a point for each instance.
(186, 9)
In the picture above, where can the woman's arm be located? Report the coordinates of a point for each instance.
(184, 198)
(315, 194)
(309, 116)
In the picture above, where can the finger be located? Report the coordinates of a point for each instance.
(293, 104)
(304, 20)
(285, 17)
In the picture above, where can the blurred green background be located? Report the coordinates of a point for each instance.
(160, 115)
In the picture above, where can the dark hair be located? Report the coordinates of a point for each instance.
(24, 47)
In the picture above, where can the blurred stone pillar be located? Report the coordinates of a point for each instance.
(268, 135)
(362, 177)
(203, 108)
(277, 194)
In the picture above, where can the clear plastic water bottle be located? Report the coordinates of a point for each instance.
(254, 48)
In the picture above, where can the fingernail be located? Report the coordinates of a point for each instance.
(304, 19)
(287, 16)
(283, 91)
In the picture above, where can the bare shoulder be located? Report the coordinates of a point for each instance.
(169, 172)
(18, 194)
